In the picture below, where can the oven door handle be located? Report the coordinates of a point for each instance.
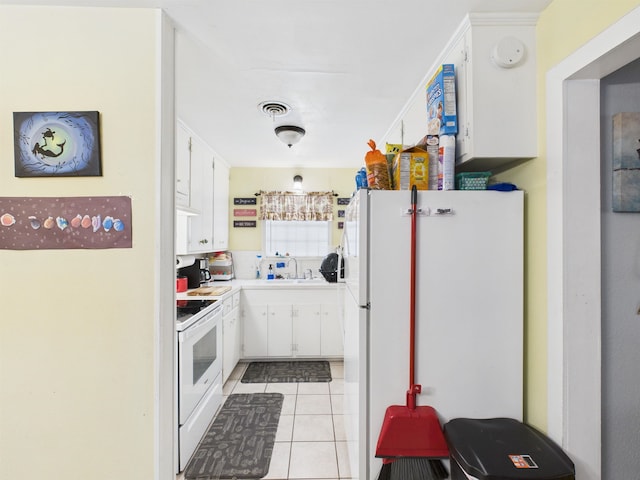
(202, 324)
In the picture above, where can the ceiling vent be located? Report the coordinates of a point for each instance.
(274, 109)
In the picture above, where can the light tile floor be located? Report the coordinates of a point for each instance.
(310, 441)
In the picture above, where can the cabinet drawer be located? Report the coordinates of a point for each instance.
(236, 299)
(227, 305)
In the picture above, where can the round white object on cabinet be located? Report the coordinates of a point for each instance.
(508, 52)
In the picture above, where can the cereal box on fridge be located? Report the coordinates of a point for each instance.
(442, 117)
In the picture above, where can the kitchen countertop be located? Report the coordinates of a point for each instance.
(257, 285)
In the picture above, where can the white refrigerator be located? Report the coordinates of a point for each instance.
(469, 309)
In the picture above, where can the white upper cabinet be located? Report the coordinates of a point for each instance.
(220, 205)
(200, 237)
(494, 57)
(202, 220)
(183, 166)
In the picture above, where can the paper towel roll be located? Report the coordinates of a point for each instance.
(447, 158)
(185, 260)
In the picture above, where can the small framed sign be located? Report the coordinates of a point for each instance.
(343, 201)
(244, 223)
(244, 201)
(244, 212)
(340, 213)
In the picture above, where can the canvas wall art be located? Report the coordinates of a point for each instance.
(50, 223)
(626, 162)
(50, 144)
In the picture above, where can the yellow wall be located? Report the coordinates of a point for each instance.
(245, 182)
(563, 27)
(77, 336)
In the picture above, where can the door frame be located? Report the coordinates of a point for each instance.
(574, 240)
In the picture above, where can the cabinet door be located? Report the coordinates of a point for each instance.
(280, 331)
(183, 165)
(231, 342)
(228, 342)
(201, 226)
(459, 56)
(331, 335)
(254, 330)
(307, 329)
(220, 205)
(235, 318)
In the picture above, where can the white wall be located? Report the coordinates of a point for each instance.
(78, 327)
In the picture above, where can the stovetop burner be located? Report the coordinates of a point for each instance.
(188, 308)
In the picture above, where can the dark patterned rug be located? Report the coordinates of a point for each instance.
(239, 442)
(287, 372)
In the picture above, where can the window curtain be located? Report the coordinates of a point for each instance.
(314, 206)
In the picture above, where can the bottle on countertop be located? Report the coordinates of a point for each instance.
(270, 274)
(258, 260)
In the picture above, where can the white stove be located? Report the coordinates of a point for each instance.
(199, 372)
(190, 311)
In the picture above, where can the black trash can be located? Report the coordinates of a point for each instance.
(503, 449)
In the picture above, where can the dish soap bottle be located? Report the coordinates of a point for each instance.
(270, 274)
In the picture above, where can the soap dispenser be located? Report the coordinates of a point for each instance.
(270, 274)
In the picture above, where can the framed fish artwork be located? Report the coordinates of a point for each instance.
(57, 144)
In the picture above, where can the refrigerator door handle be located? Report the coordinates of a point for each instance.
(422, 211)
(344, 244)
(427, 212)
(444, 211)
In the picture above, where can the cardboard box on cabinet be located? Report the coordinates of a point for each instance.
(411, 167)
(442, 118)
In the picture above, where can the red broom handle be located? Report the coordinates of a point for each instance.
(413, 388)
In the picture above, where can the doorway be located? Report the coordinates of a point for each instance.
(620, 92)
(574, 241)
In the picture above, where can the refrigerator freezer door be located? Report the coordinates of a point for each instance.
(354, 247)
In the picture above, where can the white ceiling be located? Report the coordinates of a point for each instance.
(346, 68)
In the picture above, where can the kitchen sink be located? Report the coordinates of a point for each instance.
(289, 281)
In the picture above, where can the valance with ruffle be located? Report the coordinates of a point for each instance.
(314, 206)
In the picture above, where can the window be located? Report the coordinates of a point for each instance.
(297, 238)
(297, 224)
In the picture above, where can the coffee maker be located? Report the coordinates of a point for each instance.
(205, 274)
(192, 272)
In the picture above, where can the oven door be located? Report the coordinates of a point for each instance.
(199, 361)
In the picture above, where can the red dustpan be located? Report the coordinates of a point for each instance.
(410, 430)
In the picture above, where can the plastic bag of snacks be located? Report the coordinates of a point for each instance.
(377, 169)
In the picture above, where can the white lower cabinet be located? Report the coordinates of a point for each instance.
(291, 323)
(331, 334)
(279, 331)
(267, 330)
(254, 326)
(307, 326)
(231, 335)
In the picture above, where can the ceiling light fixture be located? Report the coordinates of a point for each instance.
(289, 134)
(297, 182)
